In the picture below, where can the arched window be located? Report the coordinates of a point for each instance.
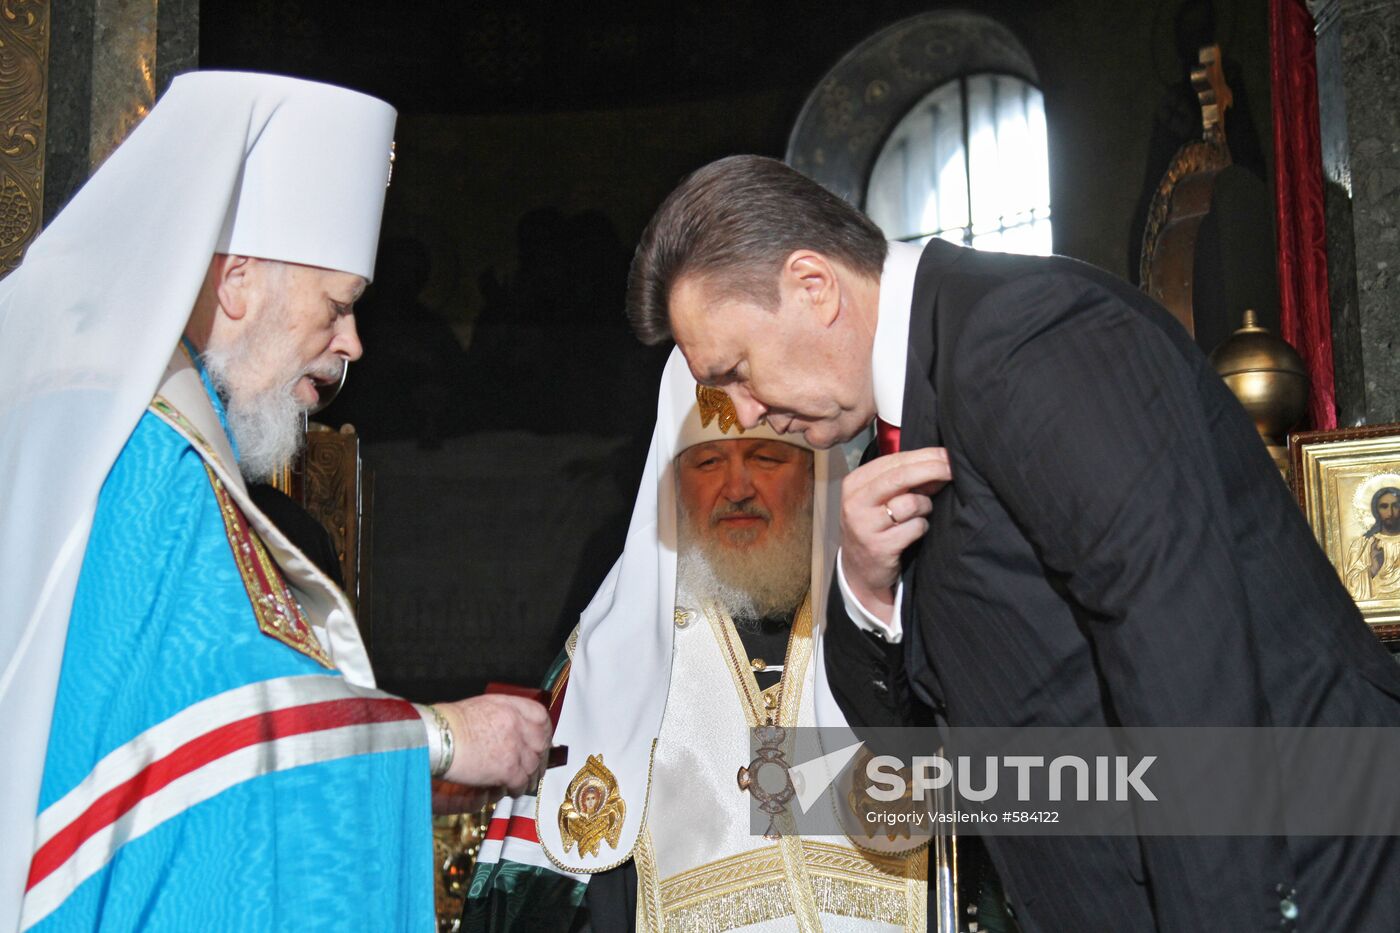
(935, 126)
(970, 164)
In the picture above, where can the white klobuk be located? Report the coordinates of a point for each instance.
(253, 164)
(654, 692)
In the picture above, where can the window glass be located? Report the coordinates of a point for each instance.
(969, 164)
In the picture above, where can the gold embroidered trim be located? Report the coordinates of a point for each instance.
(276, 609)
(593, 810)
(759, 903)
(588, 870)
(799, 653)
(804, 900)
(752, 888)
(722, 876)
(277, 612)
(797, 878)
(822, 857)
(560, 683)
(752, 903)
(846, 898)
(916, 892)
(649, 912)
(176, 419)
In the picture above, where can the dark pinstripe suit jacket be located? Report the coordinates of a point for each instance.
(1116, 547)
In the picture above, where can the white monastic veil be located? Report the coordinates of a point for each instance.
(622, 665)
(226, 162)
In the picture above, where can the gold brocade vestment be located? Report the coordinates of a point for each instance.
(700, 866)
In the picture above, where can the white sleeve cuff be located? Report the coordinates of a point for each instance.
(863, 619)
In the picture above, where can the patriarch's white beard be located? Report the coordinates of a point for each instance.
(752, 582)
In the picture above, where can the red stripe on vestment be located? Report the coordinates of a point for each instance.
(522, 828)
(257, 729)
(496, 830)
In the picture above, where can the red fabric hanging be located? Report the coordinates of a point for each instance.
(1305, 315)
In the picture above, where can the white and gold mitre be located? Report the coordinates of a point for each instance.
(713, 418)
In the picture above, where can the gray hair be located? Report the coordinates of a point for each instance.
(732, 223)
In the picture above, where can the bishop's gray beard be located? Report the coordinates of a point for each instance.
(752, 582)
(267, 425)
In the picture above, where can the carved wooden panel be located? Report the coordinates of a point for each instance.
(1184, 197)
(330, 481)
(24, 93)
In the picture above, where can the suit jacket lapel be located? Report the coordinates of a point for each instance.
(920, 429)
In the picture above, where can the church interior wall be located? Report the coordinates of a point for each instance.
(534, 143)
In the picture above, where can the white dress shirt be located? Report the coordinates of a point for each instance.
(888, 359)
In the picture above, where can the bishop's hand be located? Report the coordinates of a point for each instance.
(884, 504)
(501, 741)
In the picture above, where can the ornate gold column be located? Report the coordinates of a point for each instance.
(24, 83)
(75, 77)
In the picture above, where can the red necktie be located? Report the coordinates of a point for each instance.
(886, 437)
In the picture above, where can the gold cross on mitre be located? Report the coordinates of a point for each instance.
(714, 402)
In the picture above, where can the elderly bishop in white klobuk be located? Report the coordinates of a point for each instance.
(190, 732)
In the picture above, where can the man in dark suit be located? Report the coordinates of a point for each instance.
(1115, 547)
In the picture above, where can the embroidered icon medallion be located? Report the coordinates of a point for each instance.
(593, 809)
